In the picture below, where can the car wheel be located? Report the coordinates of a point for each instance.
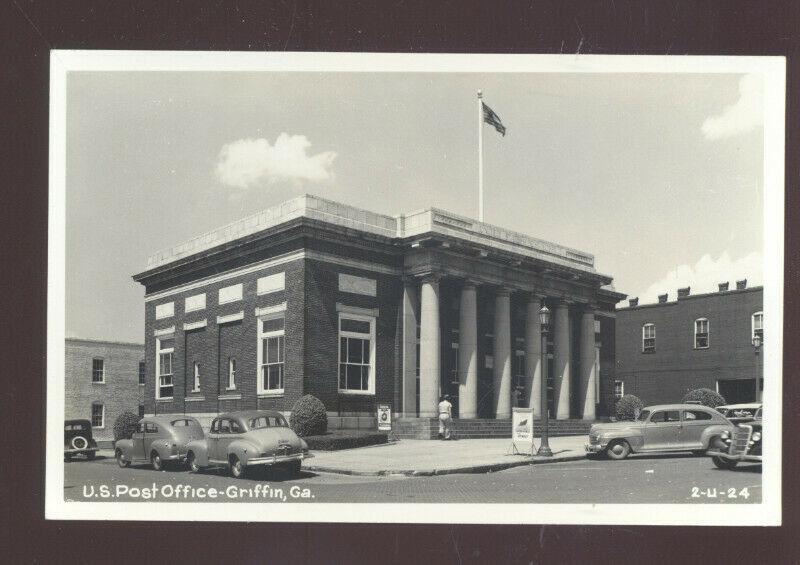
(725, 464)
(237, 468)
(121, 460)
(191, 462)
(618, 450)
(90, 455)
(155, 459)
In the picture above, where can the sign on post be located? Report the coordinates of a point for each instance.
(384, 418)
(522, 430)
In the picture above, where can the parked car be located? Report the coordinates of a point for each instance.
(246, 439)
(742, 444)
(158, 440)
(665, 427)
(78, 439)
(740, 413)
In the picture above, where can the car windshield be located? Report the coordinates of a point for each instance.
(268, 422)
(643, 415)
(75, 427)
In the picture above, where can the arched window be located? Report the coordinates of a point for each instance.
(649, 338)
(757, 327)
(701, 333)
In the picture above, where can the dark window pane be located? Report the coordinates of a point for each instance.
(365, 377)
(342, 373)
(673, 416)
(273, 325)
(272, 350)
(354, 351)
(343, 349)
(167, 343)
(353, 376)
(365, 355)
(355, 326)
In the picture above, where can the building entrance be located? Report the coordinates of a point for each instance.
(737, 391)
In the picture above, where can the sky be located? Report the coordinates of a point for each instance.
(659, 176)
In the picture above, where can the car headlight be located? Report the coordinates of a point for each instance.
(725, 435)
(757, 436)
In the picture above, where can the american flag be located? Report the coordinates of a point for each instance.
(493, 119)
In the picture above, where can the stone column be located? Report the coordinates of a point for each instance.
(468, 352)
(561, 343)
(429, 348)
(410, 303)
(587, 357)
(502, 354)
(533, 355)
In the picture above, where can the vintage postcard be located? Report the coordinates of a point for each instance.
(318, 287)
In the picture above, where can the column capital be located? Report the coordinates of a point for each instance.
(469, 282)
(503, 291)
(431, 278)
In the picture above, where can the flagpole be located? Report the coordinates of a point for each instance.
(480, 156)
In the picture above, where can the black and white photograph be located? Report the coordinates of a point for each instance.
(504, 289)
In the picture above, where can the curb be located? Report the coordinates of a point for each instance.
(473, 469)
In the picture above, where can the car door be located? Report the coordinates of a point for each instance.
(662, 430)
(226, 436)
(150, 434)
(137, 439)
(212, 439)
(694, 422)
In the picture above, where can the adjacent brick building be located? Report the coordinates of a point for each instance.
(103, 379)
(666, 349)
(359, 309)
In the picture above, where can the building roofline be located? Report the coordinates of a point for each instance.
(692, 296)
(107, 341)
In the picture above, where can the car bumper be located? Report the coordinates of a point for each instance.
(594, 447)
(70, 450)
(740, 457)
(277, 459)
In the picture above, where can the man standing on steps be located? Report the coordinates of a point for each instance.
(445, 417)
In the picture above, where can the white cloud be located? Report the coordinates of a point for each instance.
(246, 162)
(747, 113)
(705, 275)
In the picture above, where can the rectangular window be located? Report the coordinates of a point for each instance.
(164, 351)
(98, 415)
(357, 285)
(194, 303)
(271, 344)
(648, 338)
(231, 373)
(141, 410)
(701, 333)
(196, 387)
(230, 293)
(98, 371)
(142, 373)
(454, 362)
(619, 389)
(271, 283)
(356, 353)
(758, 327)
(166, 310)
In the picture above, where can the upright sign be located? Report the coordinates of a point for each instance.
(384, 418)
(522, 430)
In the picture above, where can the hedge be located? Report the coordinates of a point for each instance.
(628, 407)
(125, 425)
(345, 439)
(704, 396)
(308, 416)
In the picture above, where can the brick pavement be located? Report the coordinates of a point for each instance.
(432, 457)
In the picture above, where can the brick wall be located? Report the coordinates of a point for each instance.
(121, 390)
(676, 366)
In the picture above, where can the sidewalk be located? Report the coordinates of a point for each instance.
(416, 457)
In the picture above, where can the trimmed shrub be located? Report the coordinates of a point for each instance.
(628, 407)
(125, 425)
(345, 439)
(308, 417)
(704, 396)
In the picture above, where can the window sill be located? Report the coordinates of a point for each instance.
(701, 348)
(165, 399)
(356, 392)
(141, 384)
(98, 427)
(195, 398)
(271, 394)
(229, 397)
(98, 382)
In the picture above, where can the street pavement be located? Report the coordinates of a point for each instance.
(639, 479)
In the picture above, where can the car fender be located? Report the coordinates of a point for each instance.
(713, 431)
(243, 449)
(126, 447)
(200, 449)
(163, 447)
(632, 436)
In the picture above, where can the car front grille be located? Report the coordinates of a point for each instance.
(740, 440)
(594, 438)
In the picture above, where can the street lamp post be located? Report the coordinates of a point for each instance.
(757, 348)
(544, 446)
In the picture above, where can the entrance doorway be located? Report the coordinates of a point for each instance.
(737, 391)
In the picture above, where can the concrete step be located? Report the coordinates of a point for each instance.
(428, 428)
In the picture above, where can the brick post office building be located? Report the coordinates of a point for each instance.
(103, 379)
(358, 309)
(666, 349)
